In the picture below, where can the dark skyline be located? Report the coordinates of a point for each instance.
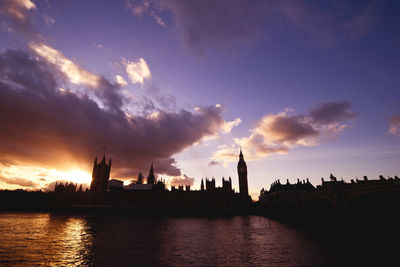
(304, 88)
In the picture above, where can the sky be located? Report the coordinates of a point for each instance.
(304, 88)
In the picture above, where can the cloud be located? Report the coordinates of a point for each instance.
(213, 163)
(217, 23)
(74, 72)
(44, 126)
(185, 180)
(395, 125)
(48, 20)
(221, 24)
(332, 112)
(284, 128)
(137, 71)
(18, 181)
(16, 12)
(164, 99)
(158, 19)
(143, 8)
(121, 80)
(278, 133)
(227, 127)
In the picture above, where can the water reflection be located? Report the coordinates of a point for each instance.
(29, 239)
(72, 238)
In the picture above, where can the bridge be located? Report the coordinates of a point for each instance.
(356, 200)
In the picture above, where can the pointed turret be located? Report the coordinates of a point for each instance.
(202, 185)
(151, 179)
(139, 179)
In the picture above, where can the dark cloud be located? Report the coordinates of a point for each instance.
(45, 126)
(185, 180)
(288, 128)
(332, 112)
(220, 24)
(108, 92)
(18, 181)
(213, 163)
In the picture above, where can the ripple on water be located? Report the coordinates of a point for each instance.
(41, 238)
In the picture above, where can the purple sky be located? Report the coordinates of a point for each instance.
(306, 88)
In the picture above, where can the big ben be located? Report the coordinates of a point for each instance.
(242, 173)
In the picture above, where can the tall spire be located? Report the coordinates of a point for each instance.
(104, 155)
(240, 154)
(151, 179)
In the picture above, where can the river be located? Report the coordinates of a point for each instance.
(49, 239)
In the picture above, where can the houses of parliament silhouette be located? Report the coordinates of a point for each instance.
(296, 201)
(153, 195)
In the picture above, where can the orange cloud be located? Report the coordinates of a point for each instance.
(138, 70)
(278, 133)
(74, 72)
(52, 128)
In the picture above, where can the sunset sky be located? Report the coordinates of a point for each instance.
(305, 88)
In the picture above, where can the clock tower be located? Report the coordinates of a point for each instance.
(242, 173)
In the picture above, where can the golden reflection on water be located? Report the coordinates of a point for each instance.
(75, 241)
(30, 239)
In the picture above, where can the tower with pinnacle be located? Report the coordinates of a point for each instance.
(100, 175)
(242, 173)
(151, 179)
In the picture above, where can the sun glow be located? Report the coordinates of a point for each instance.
(76, 176)
(32, 177)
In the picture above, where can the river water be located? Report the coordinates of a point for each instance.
(28, 239)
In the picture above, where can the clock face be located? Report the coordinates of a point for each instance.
(242, 169)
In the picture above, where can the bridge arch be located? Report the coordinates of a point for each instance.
(374, 206)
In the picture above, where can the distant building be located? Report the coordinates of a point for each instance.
(100, 176)
(141, 187)
(115, 184)
(151, 182)
(139, 180)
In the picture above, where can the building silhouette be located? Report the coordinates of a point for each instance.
(153, 197)
(139, 179)
(242, 173)
(150, 178)
(100, 175)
